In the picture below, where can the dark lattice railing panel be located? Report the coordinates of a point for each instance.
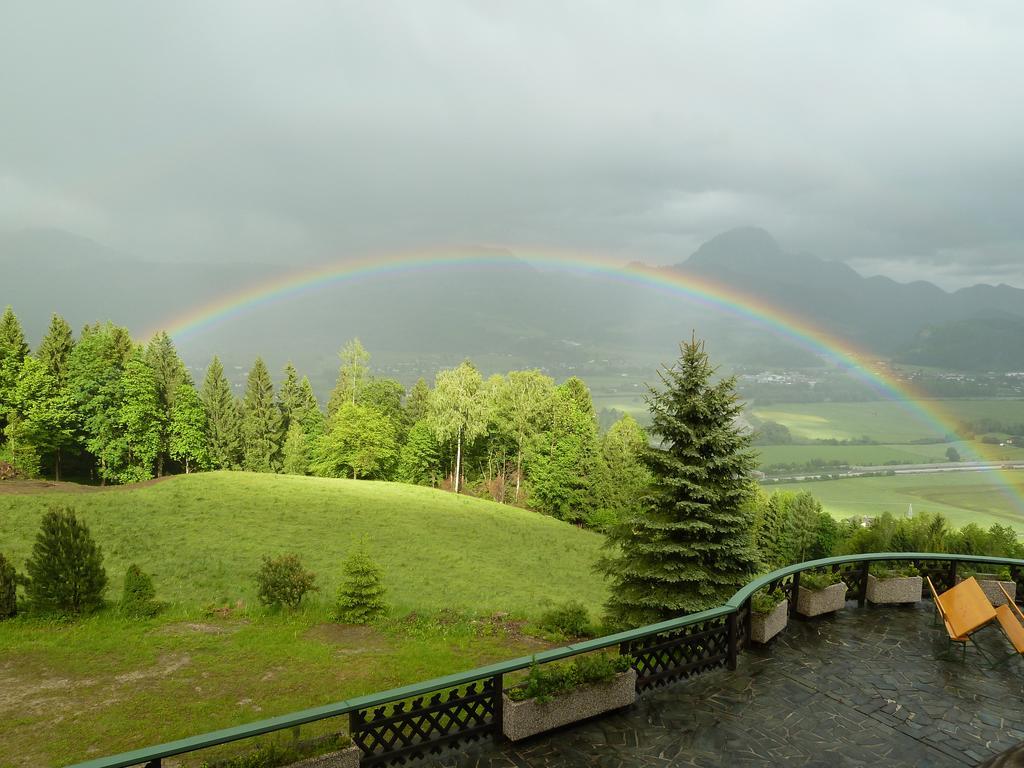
(396, 733)
(1017, 576)
(743, 625)
(941, 573)
(671, 656)
(852, 576)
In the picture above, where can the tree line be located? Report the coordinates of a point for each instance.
(103, 407)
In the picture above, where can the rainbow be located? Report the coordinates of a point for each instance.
(717, 296)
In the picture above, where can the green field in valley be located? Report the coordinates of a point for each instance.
(471, 571)
(870, 455)
(884, 421)
(962, 497)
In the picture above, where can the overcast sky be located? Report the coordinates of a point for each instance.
(889, 135)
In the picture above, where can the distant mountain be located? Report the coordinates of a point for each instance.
(986, 343)
(878, 312)
(502, 313)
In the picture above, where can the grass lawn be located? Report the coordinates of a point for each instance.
(869, 455)
(69, 692)
(963, 497)
(884, 421)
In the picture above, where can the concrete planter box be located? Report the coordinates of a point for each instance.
(522, 719)
(818, 601)
(990, 586)
(895, 589)
(765, 626)
(343, 758)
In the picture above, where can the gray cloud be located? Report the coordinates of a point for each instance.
(883, 134)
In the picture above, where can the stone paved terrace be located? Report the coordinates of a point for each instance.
(860, 688)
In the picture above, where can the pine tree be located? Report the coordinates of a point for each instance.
(55, 353)
(188, 430)
(288, 397)
(353, 374)
(801, 526)
(169, 373)
(13, 351)
(564, 465)
(417, 404)
(360, 597)
(622, 478)
(8, 589)
(420, 458)
(307, 411)
(138, 598)
(261, 422)
(55, 348)
(691, 547)
(65, 569)
(223, 428)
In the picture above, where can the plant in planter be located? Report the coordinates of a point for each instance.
(894, 583)
(820, 593)
(768, 615)
(558, 694)
(990, 578)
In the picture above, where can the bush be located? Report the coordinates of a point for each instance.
(570, 620)
(65, 569)
(283, 581)
(8, 589)
(815, 581)
(360, 597)
(892, 570)
(546, 682)
(763, 602)
(139, 595)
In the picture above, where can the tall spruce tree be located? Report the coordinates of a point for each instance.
(223, 428)
(169, 373)
(261, 422)
(13, 351)
(307, 411)
(691, 546)
(417, 403)
(55, 348)
(288, 397)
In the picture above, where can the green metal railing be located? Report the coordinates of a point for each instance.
(735, 607)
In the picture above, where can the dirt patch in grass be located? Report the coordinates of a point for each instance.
(51, 486)
(199, 628)
(350, 638)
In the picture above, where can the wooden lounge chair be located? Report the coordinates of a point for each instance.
(941, 614)
(1011, 619)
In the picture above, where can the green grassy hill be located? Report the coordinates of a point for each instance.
(202, 537)
(107, 683)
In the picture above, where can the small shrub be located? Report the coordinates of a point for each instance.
(139, 595)
(8, 589)
(65, 569)
(570, 619)
(816, 581)
(763, 602)
(987, 572)
(893, 570)
(546, 682)
(283, 581)
(360, 597)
